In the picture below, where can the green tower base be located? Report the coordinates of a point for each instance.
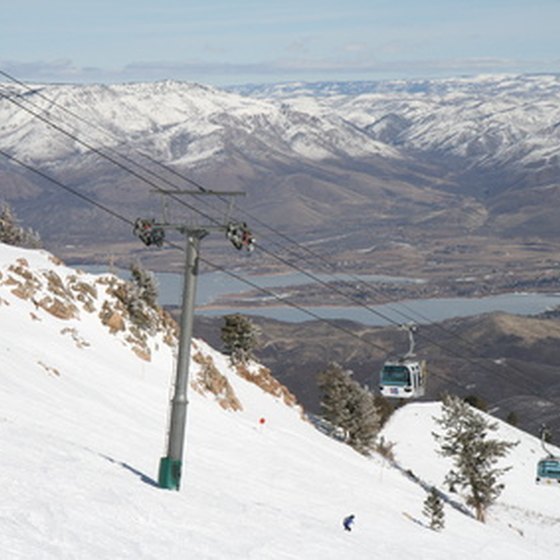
(170, 473)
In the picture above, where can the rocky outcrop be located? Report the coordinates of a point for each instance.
(66, 295)
(263, 378)
(209, 379)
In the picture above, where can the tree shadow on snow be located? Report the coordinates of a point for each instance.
(428, 487)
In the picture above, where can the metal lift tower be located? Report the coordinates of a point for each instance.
(153, 233)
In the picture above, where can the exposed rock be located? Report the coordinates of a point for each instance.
(112, 319)
(50, 370)
(209, 379)
(23, 291)
(263, 378)
(55, 285)
(59, 308)
(143, 353)
(57, 261)
(22, 270)
(23, 262)
(73, 332)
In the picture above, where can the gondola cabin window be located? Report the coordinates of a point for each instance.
(395, 375)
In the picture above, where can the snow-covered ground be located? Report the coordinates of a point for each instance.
(82, 427)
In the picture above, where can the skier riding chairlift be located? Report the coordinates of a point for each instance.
(240, 236)
(148, 232)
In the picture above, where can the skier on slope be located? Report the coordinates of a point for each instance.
(348, 521)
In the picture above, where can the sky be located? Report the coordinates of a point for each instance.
(230, 42)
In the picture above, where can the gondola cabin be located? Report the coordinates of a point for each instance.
(403, 379)
(548, 471)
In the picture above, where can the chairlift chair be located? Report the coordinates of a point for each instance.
(149, 232)
(240, 236)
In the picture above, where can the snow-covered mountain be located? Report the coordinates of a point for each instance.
(484, 121)
(83, 405)
(476, 153)
(180, 123)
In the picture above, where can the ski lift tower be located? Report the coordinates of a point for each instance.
(153, 233)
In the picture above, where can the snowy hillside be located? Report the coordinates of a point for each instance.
(183, 123)
(486, 120)
(83, 412)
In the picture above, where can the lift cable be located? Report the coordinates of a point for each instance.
(312, 277)
(253, 218)
(100, 153)
(217, 267)
(287, 263)
(173, 245)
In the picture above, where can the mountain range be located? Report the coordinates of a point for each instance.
(423, 164)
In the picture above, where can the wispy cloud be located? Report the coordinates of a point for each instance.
(355, 47)
(221, 73)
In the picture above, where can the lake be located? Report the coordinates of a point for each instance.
(215, 284)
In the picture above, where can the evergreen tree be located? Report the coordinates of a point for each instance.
(465, 440)
(350, 407)
(240, 337)
(385, 407)
(335, 387)
(139, 296)
(433, 510)
(13, 234)
(145, 284)
(365, 420)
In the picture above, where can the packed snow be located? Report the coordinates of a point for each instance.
(83, 421)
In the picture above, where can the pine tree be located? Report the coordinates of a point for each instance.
(365, 420)
(474, 454)
(476, 402)
(139, 296)
(433, 510)
(13, 234)
(334, 385)
(145, 284)
(350, 407)
(240, 337)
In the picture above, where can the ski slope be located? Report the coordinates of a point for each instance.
(83, 421)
